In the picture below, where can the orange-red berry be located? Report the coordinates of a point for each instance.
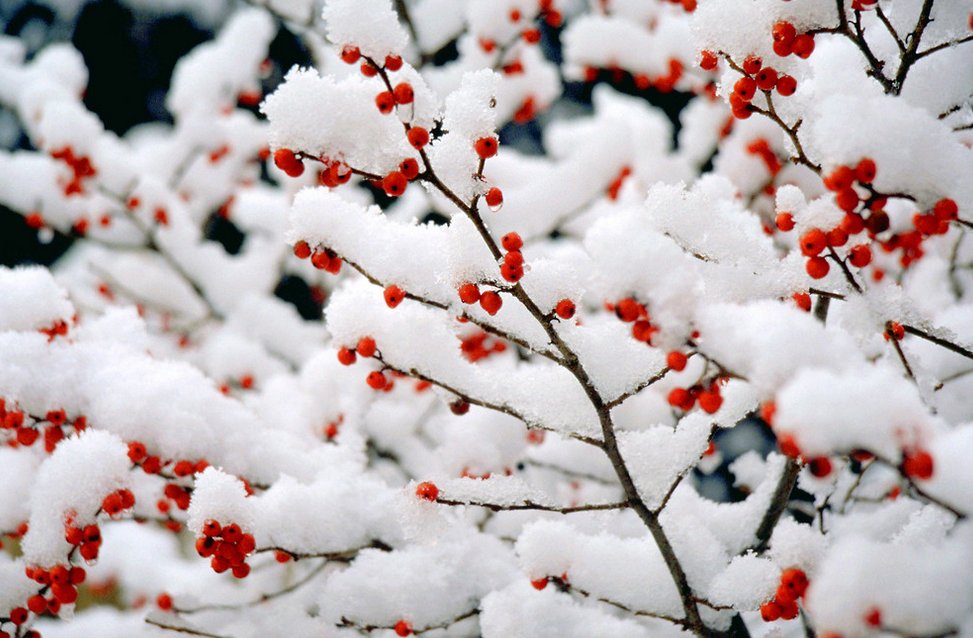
(491, 302)
(376, 380)
(813, 242)
(676, 361)
(486, 147)
(427, 491)
(565, 309)
(366, 347)
(469, 293)
(418, 137)
(511, 242)
(817, 267)
(347, 356)
(393, 296)
(385, 102)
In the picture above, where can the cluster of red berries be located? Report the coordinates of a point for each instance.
(541, 583)
(227, 546)
(117, 502)
(787, 41)
(793, 584)
(490, 300)
(616, 184)
(331, 429)
(480, 345)
(708, 396)
(819, 466)
(57, 329)
(86, 539)
(631, 311)
(512, 268)
(663, 83)
(366, 347)
(81, 167)
(15, 420)
(757, 76)
(152, 464)
(761, 148)
(322, 259)
(287, 161)
(61, 580)
(402, 93)
(352, 54)
(334, 173)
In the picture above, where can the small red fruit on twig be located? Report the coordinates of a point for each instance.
(393, 296)
(427, 491)
(486, 147)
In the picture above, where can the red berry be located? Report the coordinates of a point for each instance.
(847, 200)
(302, 250)
(346, 356)
(403, 628)
(18, 615)
(89, 551)
(350, 54)
(820, 466)
(74, 535)
(427, 491)
(784, 32)
(788, 445)
(184, 467)
(817, 267)
(393, 62)
(786, 85)
(710, 401)
(532, 36)
(511, 272)
(403, 93)
(837, 237)
(136, 451)
(945, 210)
(512, 242)
(212, 528)
(540, 583)
(491, 302)
(385, 102)
(418, 136)
(745, 88)
(785, 222)
(751, 66)
(676, 361)
(206, 546)
(369, 71)
(708, 61)
(874, 617)
(782, 49)
(918, 464)
(865, 171)
(565, 309)
(27, 436)
(56, 417)
(76, 575)
(282, 557)
(852, 224)
(366, 347)
(376, 380)
(321, 260)
(494, 198)
(394, 184)
(241, 571)
(770, 611)
(894, 330)
(628, 310)
(813, 242)
(803, 46)
(860, 256)
(642, 330)
(92, 534)
(681, 398)
(37, 604)
(232, 533)
(219, 564)
(766, 78)
(486, 147)
(409, 168)
(112, 504)
(469, 293)
(789, 611)
(288, 162)
(840, 179)
(164, 602)
(393, 296)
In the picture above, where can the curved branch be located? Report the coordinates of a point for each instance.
(530, 505)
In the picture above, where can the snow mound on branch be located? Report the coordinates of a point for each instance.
(221, 497)
(371, 25)
(72, 482)
(746, 583)
(425, 585)
(31, 299)
(520, 610)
